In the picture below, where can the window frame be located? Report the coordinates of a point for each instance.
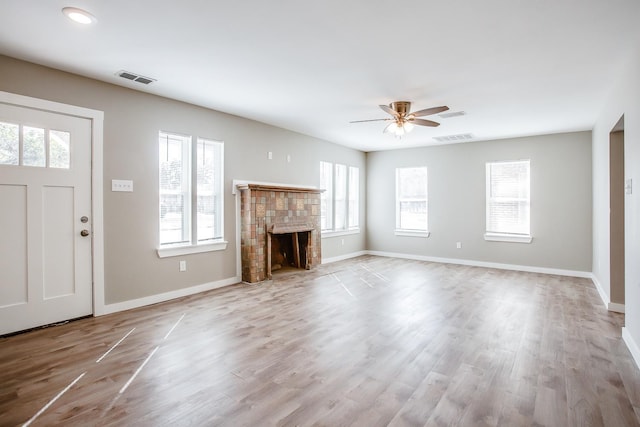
(507, 236)
(330, 203)
(190, 242)
(411, 232)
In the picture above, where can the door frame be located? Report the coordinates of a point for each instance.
(96, 118)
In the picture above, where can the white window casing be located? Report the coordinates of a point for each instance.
(412, 202)
(508, 201)
(190, 195)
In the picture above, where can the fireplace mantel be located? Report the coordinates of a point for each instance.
(274, 187)
(268, 209)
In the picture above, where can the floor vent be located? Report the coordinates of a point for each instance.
(454, 138)
(135, 77)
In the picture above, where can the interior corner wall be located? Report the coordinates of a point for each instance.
(624, 100)
(132, 120)
(561, 201)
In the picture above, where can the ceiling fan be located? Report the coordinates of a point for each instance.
(402, 119)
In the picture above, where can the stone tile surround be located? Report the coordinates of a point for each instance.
(264, 208)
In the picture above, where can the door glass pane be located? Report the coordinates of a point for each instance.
(9, 143)
(34, 153)
(59, 152)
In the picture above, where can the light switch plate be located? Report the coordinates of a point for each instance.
(628, 186)
(121, 185)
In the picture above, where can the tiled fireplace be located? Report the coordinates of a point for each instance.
(279, 225)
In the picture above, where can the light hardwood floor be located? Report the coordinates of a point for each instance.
(366, 342)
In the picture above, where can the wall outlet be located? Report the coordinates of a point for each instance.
(459, 245)
(270, 155)
(183, 265)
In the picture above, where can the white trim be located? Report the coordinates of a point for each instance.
(191, 249)
(343, 257)
(412, 233)
(615, 307)
(97, 203)
(329, 234)
(514, 267)
(238, 202)
(611, 306)
(603, 295)
(631, 345)
(238, 182)
(167, 296)
(505, 237)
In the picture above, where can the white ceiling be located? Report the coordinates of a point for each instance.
(515, 67)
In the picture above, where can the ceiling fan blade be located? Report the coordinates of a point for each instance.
(429, 111)
(422, 122)
(389, 110)
(372, 120)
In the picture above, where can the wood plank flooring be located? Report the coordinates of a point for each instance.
(370, 341)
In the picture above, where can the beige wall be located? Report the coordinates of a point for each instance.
(560, 201)
(132, 121)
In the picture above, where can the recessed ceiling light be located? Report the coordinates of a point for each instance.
(78, 15)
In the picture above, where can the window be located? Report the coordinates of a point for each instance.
(508, 201)
(326, 198)
(191, 192)
(23, 145)
(411, 202)
(340, 202)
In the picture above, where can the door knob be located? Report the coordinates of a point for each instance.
(84, 233)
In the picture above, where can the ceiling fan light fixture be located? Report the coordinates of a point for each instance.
(78, 15)
(402, 119)
(399, 129)
(408, 126)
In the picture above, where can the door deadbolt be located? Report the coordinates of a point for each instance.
(84, 233)
(84, 219)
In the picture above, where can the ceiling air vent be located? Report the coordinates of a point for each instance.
(135, 77)
(452, 114)
(454, 138)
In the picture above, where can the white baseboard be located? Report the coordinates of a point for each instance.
(615, 307)
(611, 306)
(473, 263)
(167, 296)
(343, 257)
(603, 295)
(631, 345)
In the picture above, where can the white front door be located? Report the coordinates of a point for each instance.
(45, 218)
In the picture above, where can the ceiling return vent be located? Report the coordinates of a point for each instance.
(454, 138)
(135, 77)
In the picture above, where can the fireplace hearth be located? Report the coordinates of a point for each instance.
(280, 228)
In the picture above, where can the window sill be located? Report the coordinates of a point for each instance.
(170, 251)
(504, 237)
(412, 233)
(325, 234)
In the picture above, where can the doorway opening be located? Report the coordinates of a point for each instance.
(618, 187)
